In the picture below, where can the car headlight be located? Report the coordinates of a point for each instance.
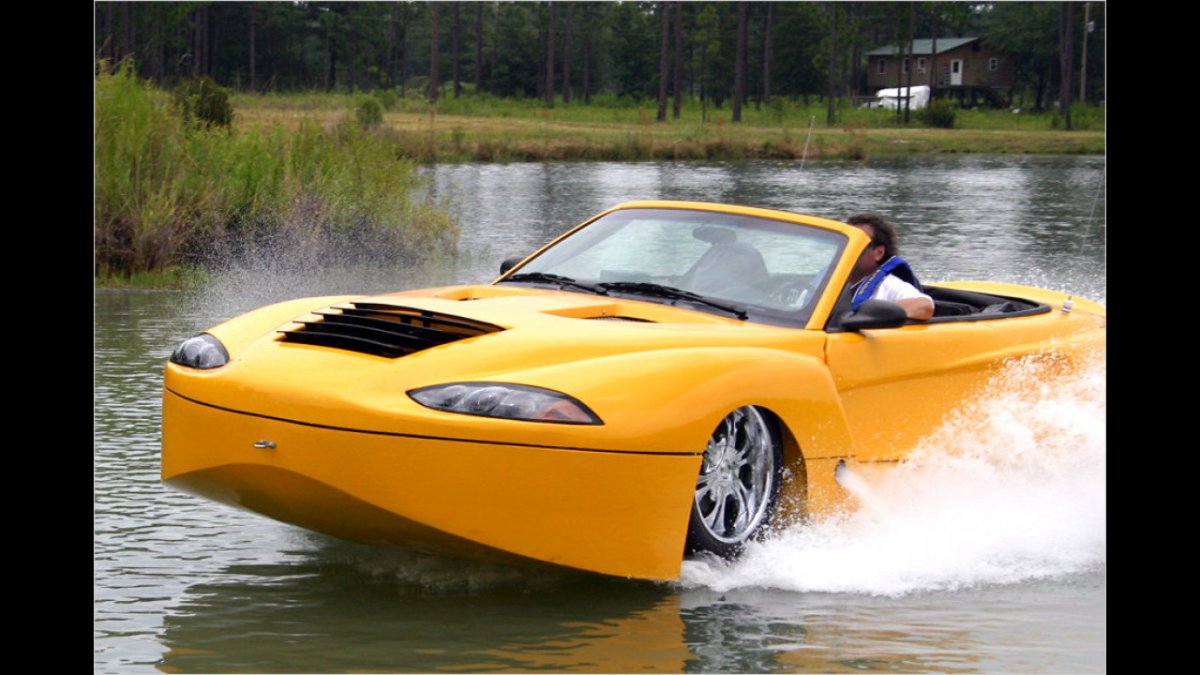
(200, 351)
(509, 401)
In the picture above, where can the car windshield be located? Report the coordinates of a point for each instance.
(765, 270)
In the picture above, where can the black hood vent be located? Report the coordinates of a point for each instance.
(384, 330)
(621, 318)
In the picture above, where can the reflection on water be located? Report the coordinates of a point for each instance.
(343, 607)
(392, 611)
(185, 585)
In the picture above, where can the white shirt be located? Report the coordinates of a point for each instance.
(893, 288)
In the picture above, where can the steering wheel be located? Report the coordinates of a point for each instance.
(790, 293)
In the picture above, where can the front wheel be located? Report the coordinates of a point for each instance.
(738, 485)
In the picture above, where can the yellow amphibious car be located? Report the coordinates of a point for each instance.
(668, 377)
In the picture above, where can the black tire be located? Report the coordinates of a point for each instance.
(738, 485)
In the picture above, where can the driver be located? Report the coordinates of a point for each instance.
(878, 268)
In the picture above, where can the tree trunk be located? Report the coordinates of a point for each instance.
(855, 75)
(253, 72)
(433, 51)
(106, 49)
(899, 75)
(329, 62)
(403, 48)
(550, 56)
(770, 20)
(127, 27)
(912, 61)
(455, 30)
(933, 72)
(492, 60)
(388, 71)
(214, 47)
(678, 79)
(205, 38)
(663, 60)
(478, 48)
(587, 58)
(1083, 54)
(154, 51)
(198, 41)
(833, 56)
(566, 55)
(739, 63)
(1066, 34)
(352, 52)
(1043, 89)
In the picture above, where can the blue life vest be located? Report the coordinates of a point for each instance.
(894, 265)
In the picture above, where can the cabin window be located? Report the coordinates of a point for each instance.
(993, 64)
(882, 67)
(920, 64)
(904, 68)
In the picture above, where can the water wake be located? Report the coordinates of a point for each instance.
(1011, 489)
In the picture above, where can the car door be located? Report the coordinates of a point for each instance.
(899, 384)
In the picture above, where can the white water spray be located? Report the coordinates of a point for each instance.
(1011, 489)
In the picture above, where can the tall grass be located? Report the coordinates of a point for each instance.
(169, 192)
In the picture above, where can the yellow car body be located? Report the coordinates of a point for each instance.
(333, 439)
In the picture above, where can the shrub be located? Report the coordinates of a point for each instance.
(778, 107)
(388, 98)
(939, 113)
(204, 101)
(370, 112)
(1085, 117)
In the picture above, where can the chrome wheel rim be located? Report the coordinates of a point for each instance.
(736, 477)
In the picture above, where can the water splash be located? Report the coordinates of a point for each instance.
(1011, 489)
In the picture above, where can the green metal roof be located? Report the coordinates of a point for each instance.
(923, 47)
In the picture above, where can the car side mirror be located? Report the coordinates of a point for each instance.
(510, 263)
(876, 314)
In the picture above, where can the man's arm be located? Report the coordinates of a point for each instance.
(920, 308)
(917, 305)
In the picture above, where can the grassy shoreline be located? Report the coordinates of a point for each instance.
(475, 129)
(305, 165)
(455, 138)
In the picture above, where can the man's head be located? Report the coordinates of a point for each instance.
(882, 246)
(879, 229)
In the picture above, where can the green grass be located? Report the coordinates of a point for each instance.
(611, 109)
(485, 128)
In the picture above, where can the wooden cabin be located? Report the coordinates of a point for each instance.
(966, 69)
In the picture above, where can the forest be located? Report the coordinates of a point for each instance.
(723, 54)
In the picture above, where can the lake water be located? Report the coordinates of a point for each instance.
(990, 558)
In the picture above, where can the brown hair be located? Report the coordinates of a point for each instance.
(885, 234)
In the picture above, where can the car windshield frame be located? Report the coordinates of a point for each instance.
(739, 265)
